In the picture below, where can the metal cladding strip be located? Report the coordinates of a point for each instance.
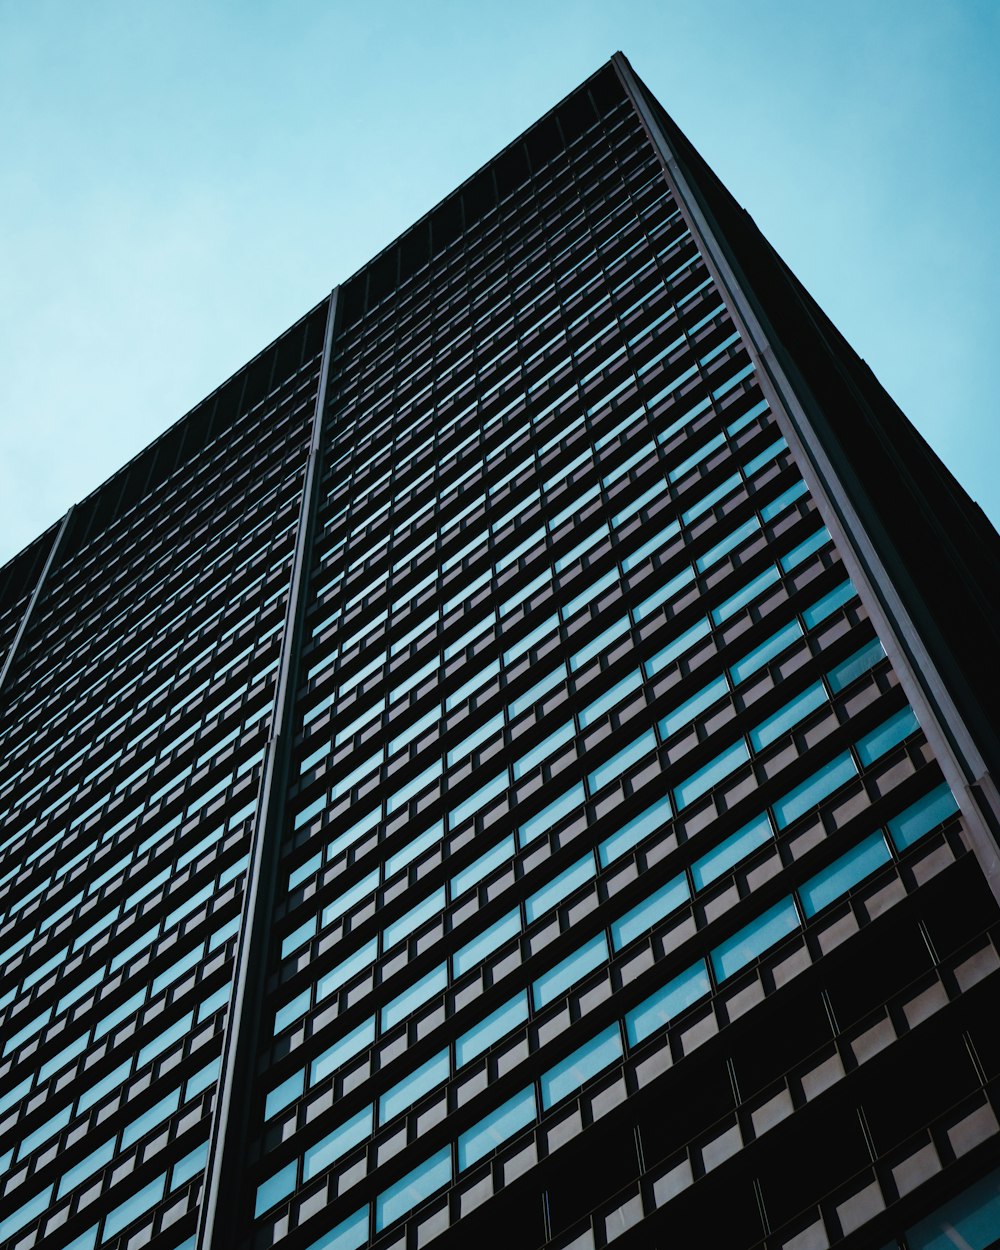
(229, 1118)
(958, 756)
(35, 596)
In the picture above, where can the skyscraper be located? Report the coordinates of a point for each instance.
(514, 764)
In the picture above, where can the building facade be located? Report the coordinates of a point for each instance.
(512, 765)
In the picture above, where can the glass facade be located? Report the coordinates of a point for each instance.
(613, 889)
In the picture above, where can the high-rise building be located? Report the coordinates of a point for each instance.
(514, 766)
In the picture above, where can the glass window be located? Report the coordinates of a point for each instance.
(346, 969)
(766, 652)
(552, 984)
(560, 887)
(746, 595)
(86, 1167)
(660, 1008)
(548, 746)
(350, 1234)
(619, 763)
(711, 499)
(697, 457)
(541, 687)
(416, 846)
(496, 1025)
(665, 593)
(600, 644)
(969, 1221)
(728, 544)
(784, 500)
(567, 1077)
(276, 1187)
(818, 787)
(415, 996)
(766, 456)
(849, 670)
(550, 816)
(889, 734)
(476, 739)
(343, 1138)
(650, 911)
(413, 1086)
(420, 782)
(736, 847)
(415, 1186)
(632, 833)
(805, 549)
(785, 718)
(485, 943)
(482, 867)
(711, 774)
(432, 905)
(755, 938)
(285, 1093)
(191, 1165)
(132, 1208)
(830, 602)
(201, 1079)
(698, 703)
(480, 798)
(611, 698)
(350, 898)
(837, 878)
(673, 650)
(343, 1048)
(654, 544)
(516, 1113)
(28, 1209)
(921, 817)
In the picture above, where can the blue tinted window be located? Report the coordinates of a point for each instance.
(402, 796)
(276, 1187)
(685, 714)
(711, 774)
(189, 1166)
(567, 1077)
(599, 644)
(711, 499)
(350, 1234)
(622, 761)
(486, 943)
(639, 827)
(292, 1011)
(557, 980)
(851, 669)
(821, 784)
(969, 1221)
(836, 879)
(350, 898)
(665, 593)
(650, 911)
(432, 905)
(660, 1008)
(540, 688)
(413, 848)
(34, 1206)
(728, 544)
(784, 500)
(765, 457)
(482, 867)
(345, 970)
(413, 1086)
(132, 1208)
(745, 595)
(755, 938)
(921, 817)
(611, 698)
(497, 1127)
(283, 1094)
(548, 746)
(410, 999)
(482, 1035)
(146, 1122)
(560, 887)
(413, 1188)
(86, 1167)
(474, 802)
(343, 1049)
(785, 718)
(766, 652)
(674, 650)
(805, 549)
(889, 734)
(343, 1138)
(826, 606)
(550, 816)
(736, 847)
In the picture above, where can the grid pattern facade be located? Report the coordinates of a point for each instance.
(619, 893)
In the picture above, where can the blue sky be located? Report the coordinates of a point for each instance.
(181, 180)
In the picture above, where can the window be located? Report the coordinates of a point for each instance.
(921, 817)
(343, 1138)
(552, 984)
(496, 1025)
(818, 787)
(415, 1186)
(485, 943)
(755, 938)
(593, 1057)
(785, 718)
(630, 834)
(660, 1008)
(497, 1127)
(560, 887)
(650, 911)
(736, 847)
(711, 774)
(836, 879)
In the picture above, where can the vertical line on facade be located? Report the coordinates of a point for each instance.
(232, 1099)
(36, 595)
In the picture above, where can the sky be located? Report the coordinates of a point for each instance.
(182, 179)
